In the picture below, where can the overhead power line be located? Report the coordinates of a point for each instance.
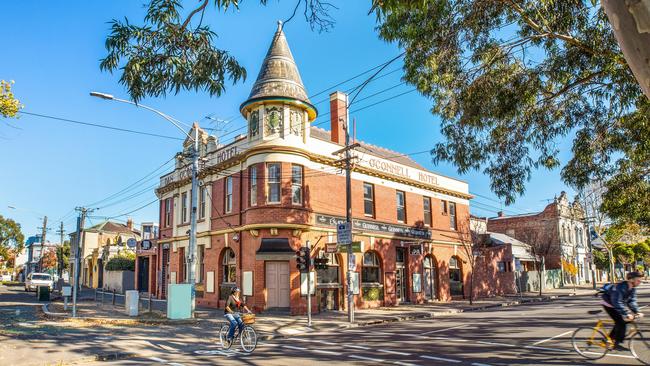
(100, 126)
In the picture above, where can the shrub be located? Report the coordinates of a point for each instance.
(121, 262)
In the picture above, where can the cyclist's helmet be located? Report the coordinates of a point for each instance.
(235, 289)
(634, 274)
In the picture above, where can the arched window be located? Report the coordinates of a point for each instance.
(229, 263)
(430, 278)
(371, 270)
(455, 277)
(331, 275)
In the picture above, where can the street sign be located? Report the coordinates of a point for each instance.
(518, 266)
(344, 233)
(304, 277)
(352, 262)
(131, 243)
(356, 247)
(331, 248)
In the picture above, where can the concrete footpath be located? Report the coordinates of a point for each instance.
(271, 325)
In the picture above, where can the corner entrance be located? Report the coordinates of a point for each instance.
(401, 275)
(277, 285)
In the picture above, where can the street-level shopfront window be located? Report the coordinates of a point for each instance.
(430, 278)
(329, 276)
(229, 272)
(273, 182)
(371, 269)
(296, 184)
(369, 199)
(455, 277)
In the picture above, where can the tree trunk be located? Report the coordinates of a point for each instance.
(471, 287)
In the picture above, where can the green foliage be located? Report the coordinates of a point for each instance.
(63, 255)
(9, 105)
(601, 260)
(509, 79)
(121, 262)
(11, 238)
(623, 253)
(641, 251)
(372, 293)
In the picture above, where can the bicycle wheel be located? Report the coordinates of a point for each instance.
(640, 347)
(248, 339)
(223, 335)
(590, 343)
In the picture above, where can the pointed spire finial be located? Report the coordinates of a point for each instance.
(279, 25)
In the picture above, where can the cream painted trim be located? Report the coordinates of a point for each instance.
(209, 282)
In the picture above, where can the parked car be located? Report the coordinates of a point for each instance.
(38, 279)
(5, 276)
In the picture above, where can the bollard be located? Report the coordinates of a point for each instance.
(113, 297)
(150, 302)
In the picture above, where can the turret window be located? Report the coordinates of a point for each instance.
(274, 120)
(254, 124)
(295, 123)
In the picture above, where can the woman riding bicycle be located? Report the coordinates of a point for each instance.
(233, 306)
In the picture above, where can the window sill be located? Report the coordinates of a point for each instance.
(371, 284)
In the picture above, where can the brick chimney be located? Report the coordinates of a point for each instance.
(338, 116)
(501, 214)
(129, 223)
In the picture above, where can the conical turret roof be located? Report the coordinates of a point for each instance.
(279, 77)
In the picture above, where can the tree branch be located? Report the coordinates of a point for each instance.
(193, 13)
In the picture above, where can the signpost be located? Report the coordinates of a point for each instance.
(344, 233)
(331, 248)
(356, 247)
(415, 249)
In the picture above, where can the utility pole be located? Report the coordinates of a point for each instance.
(61, 232)
(77, 256)
(309, 285)
(193, 213)
(43, 232)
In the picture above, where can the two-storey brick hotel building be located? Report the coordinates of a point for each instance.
(268, 192)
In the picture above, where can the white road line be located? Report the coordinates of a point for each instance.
(296, 348)
(548, 339)
(404, 363)
(445, 329)
(175, 364)
(313, 340)
(611, 355)
(440, 359)
(325, 352)
(547, 349)
(496, 344)
(157, 359)
(367, 358)
(393, 352)
(357, 347)
(386, 333)
(480, 364)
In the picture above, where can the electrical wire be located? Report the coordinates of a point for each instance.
(99, 125)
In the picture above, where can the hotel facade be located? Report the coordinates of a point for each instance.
(271, 190)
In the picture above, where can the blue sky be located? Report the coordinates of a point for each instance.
(52, 51)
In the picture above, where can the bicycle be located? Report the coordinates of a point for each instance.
(593, 343)
(247, 336)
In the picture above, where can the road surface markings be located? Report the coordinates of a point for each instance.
(404, 363)
(296, 348)
(440, 359)
(445, 329)
(496, 344)
(610, 355)
(324, 352)
(367, 358)
(355, 346)
(393, 352)
(480, 364)
(549, 339)
(547, 349)
(157, 359)
(313, 340)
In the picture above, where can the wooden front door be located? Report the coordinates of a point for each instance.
(277, 284)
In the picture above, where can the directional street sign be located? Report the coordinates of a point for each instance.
(356, 247)
(331, 248)
(344, 233)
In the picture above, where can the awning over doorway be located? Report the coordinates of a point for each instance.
(275, 249)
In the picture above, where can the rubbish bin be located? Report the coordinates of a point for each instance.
(43, 293)
(131, 302)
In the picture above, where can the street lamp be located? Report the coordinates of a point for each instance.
(195, 185)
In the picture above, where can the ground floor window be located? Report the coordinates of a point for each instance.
(430, 278)
(371, 270)
(455, 277)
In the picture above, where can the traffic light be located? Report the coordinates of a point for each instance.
(303, 259)
(321, 263)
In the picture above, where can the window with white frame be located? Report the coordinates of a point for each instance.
(369, 199)
(371, 269)
(228, 194)
(401, 206)
(427, 210)
(273, 182)
(184, 215)
(202, 204)
(168, 212)
(296, 184)
(252, 178)
(452, 215)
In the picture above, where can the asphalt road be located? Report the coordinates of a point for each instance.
(536, 334)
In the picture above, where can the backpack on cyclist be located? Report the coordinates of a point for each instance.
(605, 289)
